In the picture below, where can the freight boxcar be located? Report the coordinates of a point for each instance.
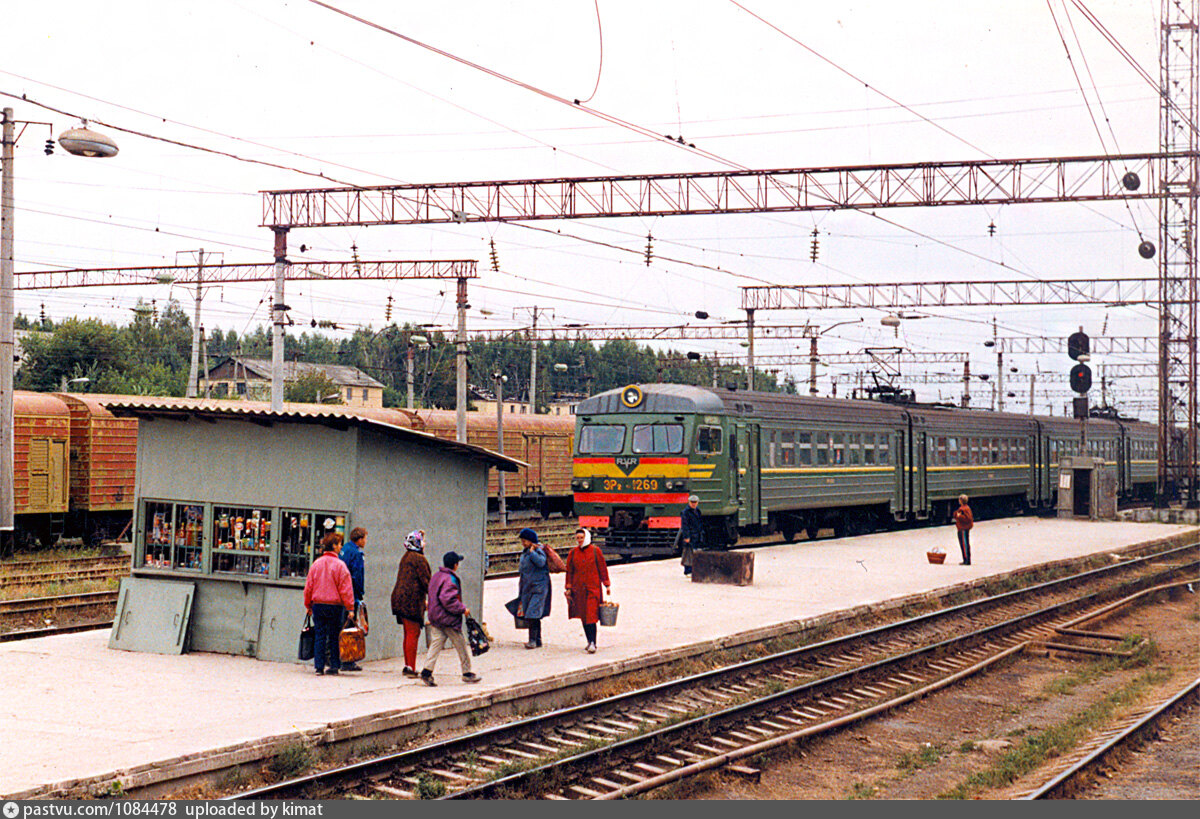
(41, 481)
(103, 466)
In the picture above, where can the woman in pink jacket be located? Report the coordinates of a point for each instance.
(328, 597)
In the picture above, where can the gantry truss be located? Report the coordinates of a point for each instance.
(981, 182)
(902, 295)
(1179, 106)
(228, 273)
(1101, 345)
(731, 331)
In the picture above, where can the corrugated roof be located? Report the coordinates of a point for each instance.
(340, 374)
(385, 420)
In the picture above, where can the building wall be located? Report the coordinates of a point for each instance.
(402, 487)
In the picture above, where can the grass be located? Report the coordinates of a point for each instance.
(430, 787)
(57, 588)
(1142, 652)
(923, 757)
(291, 760)
(1057, 740)
(862, 790)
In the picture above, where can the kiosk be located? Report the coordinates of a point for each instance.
(232, 501)
(1087, 487)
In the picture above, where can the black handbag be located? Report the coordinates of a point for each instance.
(514, 608)
(308, 638)
(477, 636)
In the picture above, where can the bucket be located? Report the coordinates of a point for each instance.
(608, 614)
(936, 557)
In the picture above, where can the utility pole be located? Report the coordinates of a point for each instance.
(7, 340)
(279, 310)
(750, 349)
(533, 342)
(193, 384)
(999, 368)
(408, 376)
(966, 396)
(812, 366)
(1031, 379)
(500, 379)
(460, 344)
(204, 357)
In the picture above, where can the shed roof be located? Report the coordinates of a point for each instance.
(382, 420)
(340, 374)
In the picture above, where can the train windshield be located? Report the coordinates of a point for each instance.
(658, 438)
(601, 438)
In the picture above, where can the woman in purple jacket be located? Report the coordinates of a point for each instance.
(446, 610)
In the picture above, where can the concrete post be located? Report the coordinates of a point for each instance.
(279, 311)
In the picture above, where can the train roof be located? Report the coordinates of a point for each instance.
(388, 421)
(38, 403)
(683, 399)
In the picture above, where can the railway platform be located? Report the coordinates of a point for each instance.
(79, 717)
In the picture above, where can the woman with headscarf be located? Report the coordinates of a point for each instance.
(534, 588)
(409, 595)
(586, 572)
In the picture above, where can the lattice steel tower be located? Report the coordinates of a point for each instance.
(1177, 392)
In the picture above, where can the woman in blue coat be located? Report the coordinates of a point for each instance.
(534, 586)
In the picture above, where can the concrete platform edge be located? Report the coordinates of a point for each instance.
(259, 750)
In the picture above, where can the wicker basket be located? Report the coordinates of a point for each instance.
(608, 613)
(936, 557)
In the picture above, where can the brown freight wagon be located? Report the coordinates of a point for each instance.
(41, 432)
(103, 467)
(544, 442)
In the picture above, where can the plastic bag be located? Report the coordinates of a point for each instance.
(477, 637)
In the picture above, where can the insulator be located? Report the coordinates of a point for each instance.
(816, 246)
(387, 311)
(495, 256)
(49, 149)
(991, 228)
(649, 248)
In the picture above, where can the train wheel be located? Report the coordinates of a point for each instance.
(787, 527)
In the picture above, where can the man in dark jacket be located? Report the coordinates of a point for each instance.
(352, 556)
(691, 532)
(446, 611)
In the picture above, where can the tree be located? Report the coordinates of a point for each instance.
(310, 387)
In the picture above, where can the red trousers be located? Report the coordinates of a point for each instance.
(412, 633)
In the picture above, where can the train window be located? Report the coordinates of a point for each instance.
(821, 441)
(855, 444)
(869, 448)
(601, 438)
(771, 448)
(839, 449)
(708, 440)
(952, 452)
(658, 438)
(787, 454)
(939, 452)
(994, 451)
(881, 451)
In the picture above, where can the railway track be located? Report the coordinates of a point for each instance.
(38, 605)
(643, 739)
(38, 568)
(1074, 771)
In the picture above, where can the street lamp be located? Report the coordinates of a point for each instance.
(812, 354)
(413, 343)
(500, 378)
(80, 141)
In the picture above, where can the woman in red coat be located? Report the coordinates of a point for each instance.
(586, 572)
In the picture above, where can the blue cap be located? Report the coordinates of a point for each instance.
(451, 559)
(528, 534)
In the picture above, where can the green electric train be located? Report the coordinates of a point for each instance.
(766, 462)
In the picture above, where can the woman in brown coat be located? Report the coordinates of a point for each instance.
(409, 595)
(586, 572)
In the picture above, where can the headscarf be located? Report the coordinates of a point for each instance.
(528, 534)
(415, 541)
(587, 538)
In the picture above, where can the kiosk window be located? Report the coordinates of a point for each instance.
(301, 532)
(241, 540)
(173, 535)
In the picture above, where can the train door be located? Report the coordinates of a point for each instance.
(902, 507)
(749, 512)
(58, 474)
(533, 457)
(920, 482)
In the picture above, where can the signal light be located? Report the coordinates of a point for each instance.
(1081, 378)
(1078, 344)
(49, 149)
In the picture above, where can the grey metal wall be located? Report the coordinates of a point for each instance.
(402, 487)
(238, 462)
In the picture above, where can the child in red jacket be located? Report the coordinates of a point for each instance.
(964, 520)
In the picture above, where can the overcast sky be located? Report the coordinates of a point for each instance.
(301, 86)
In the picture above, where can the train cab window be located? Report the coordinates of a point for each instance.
(658, 438)
(607, 439)
(839, 449)
(708, 440)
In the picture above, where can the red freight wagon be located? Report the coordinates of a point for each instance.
(103, 466)
(41, 432)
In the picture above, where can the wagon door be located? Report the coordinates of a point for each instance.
(59, 482)
(919, 455)
(533, 457)
(748, 474)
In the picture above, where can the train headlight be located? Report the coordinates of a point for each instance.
(678, 485)
(581, 484)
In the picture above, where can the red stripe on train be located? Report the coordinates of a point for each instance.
(604, 497)
(642, 460)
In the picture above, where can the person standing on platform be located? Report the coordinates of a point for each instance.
(352, 556)
(328, 597)
(409, 595)
(446, 611)
(586, 571)
(534, 586)
(963, 521)
(691, 532)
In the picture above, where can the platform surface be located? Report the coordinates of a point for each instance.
(76, 709)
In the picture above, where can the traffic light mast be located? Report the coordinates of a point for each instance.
(1078, 347)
